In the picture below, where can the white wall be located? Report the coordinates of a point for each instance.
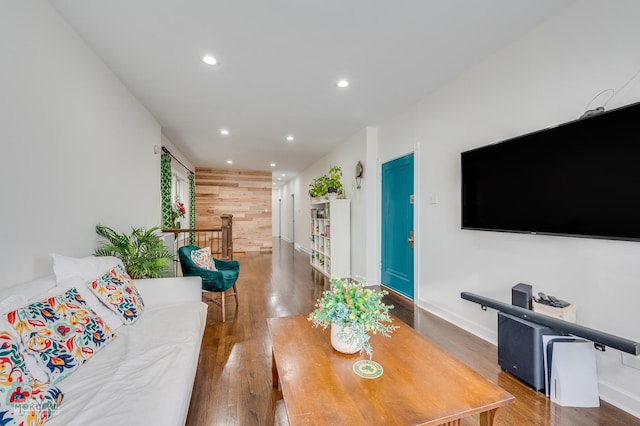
(546, 78)
(77, 146)
(275, 212)
(287, 210)
(346, 156)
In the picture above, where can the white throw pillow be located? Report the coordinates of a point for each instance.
(71, 272)
(88, 268)
(9, 304)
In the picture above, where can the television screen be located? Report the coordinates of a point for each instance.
(578, 179)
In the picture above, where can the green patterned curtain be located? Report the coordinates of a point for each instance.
(165, 189)
(192, 207)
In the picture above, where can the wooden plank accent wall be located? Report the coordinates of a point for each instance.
(246, 195)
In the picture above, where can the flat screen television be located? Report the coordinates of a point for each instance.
(578, 179)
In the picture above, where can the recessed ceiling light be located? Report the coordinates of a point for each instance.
(272, 164)
(224, 132)
(278, 178)
(342, 84)
(229, 162)
(274, 183)
(289, 138)
(283, 175)
(209, 60)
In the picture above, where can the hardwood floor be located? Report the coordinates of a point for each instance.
(233, 384)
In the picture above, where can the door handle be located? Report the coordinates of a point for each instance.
(410, 239)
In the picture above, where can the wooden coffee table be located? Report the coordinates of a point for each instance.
(421, 383)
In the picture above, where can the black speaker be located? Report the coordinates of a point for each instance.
(520, 349)
(521, 295)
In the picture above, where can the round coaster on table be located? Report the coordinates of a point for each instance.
(368, 369)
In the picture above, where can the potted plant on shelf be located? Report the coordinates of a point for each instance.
(334, 180)
(143, 252)
(353, 311)
(330, 183)
(318, 188)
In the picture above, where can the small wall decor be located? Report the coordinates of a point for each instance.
(359, 173)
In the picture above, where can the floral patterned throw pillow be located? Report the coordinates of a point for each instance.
(203, 259)
(116, 290)
(62, 331)
(23, 400)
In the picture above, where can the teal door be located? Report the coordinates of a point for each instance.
(397, 225)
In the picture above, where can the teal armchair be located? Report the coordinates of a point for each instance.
(212, 281)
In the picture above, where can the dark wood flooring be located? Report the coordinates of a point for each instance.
(233, 383)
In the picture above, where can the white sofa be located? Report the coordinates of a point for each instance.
(145, 375)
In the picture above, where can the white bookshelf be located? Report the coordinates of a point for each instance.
(330, 239)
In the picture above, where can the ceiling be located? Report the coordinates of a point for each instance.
(279, 61)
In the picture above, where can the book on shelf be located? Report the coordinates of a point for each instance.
(317, 214)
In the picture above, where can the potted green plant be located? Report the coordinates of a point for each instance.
(318, 188)
(334, 180)
(329, 183)
(142, 252)
(354, 311)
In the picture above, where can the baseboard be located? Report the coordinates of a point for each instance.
(303, 249)
(455, 319)
(620, 398)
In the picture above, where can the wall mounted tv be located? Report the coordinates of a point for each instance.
(578, 179)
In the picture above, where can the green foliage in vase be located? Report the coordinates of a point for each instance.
(143, 251)
(353, 304)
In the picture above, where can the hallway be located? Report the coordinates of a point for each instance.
(233, 383)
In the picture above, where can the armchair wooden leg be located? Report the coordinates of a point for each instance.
(223, 313)
(235, 293)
